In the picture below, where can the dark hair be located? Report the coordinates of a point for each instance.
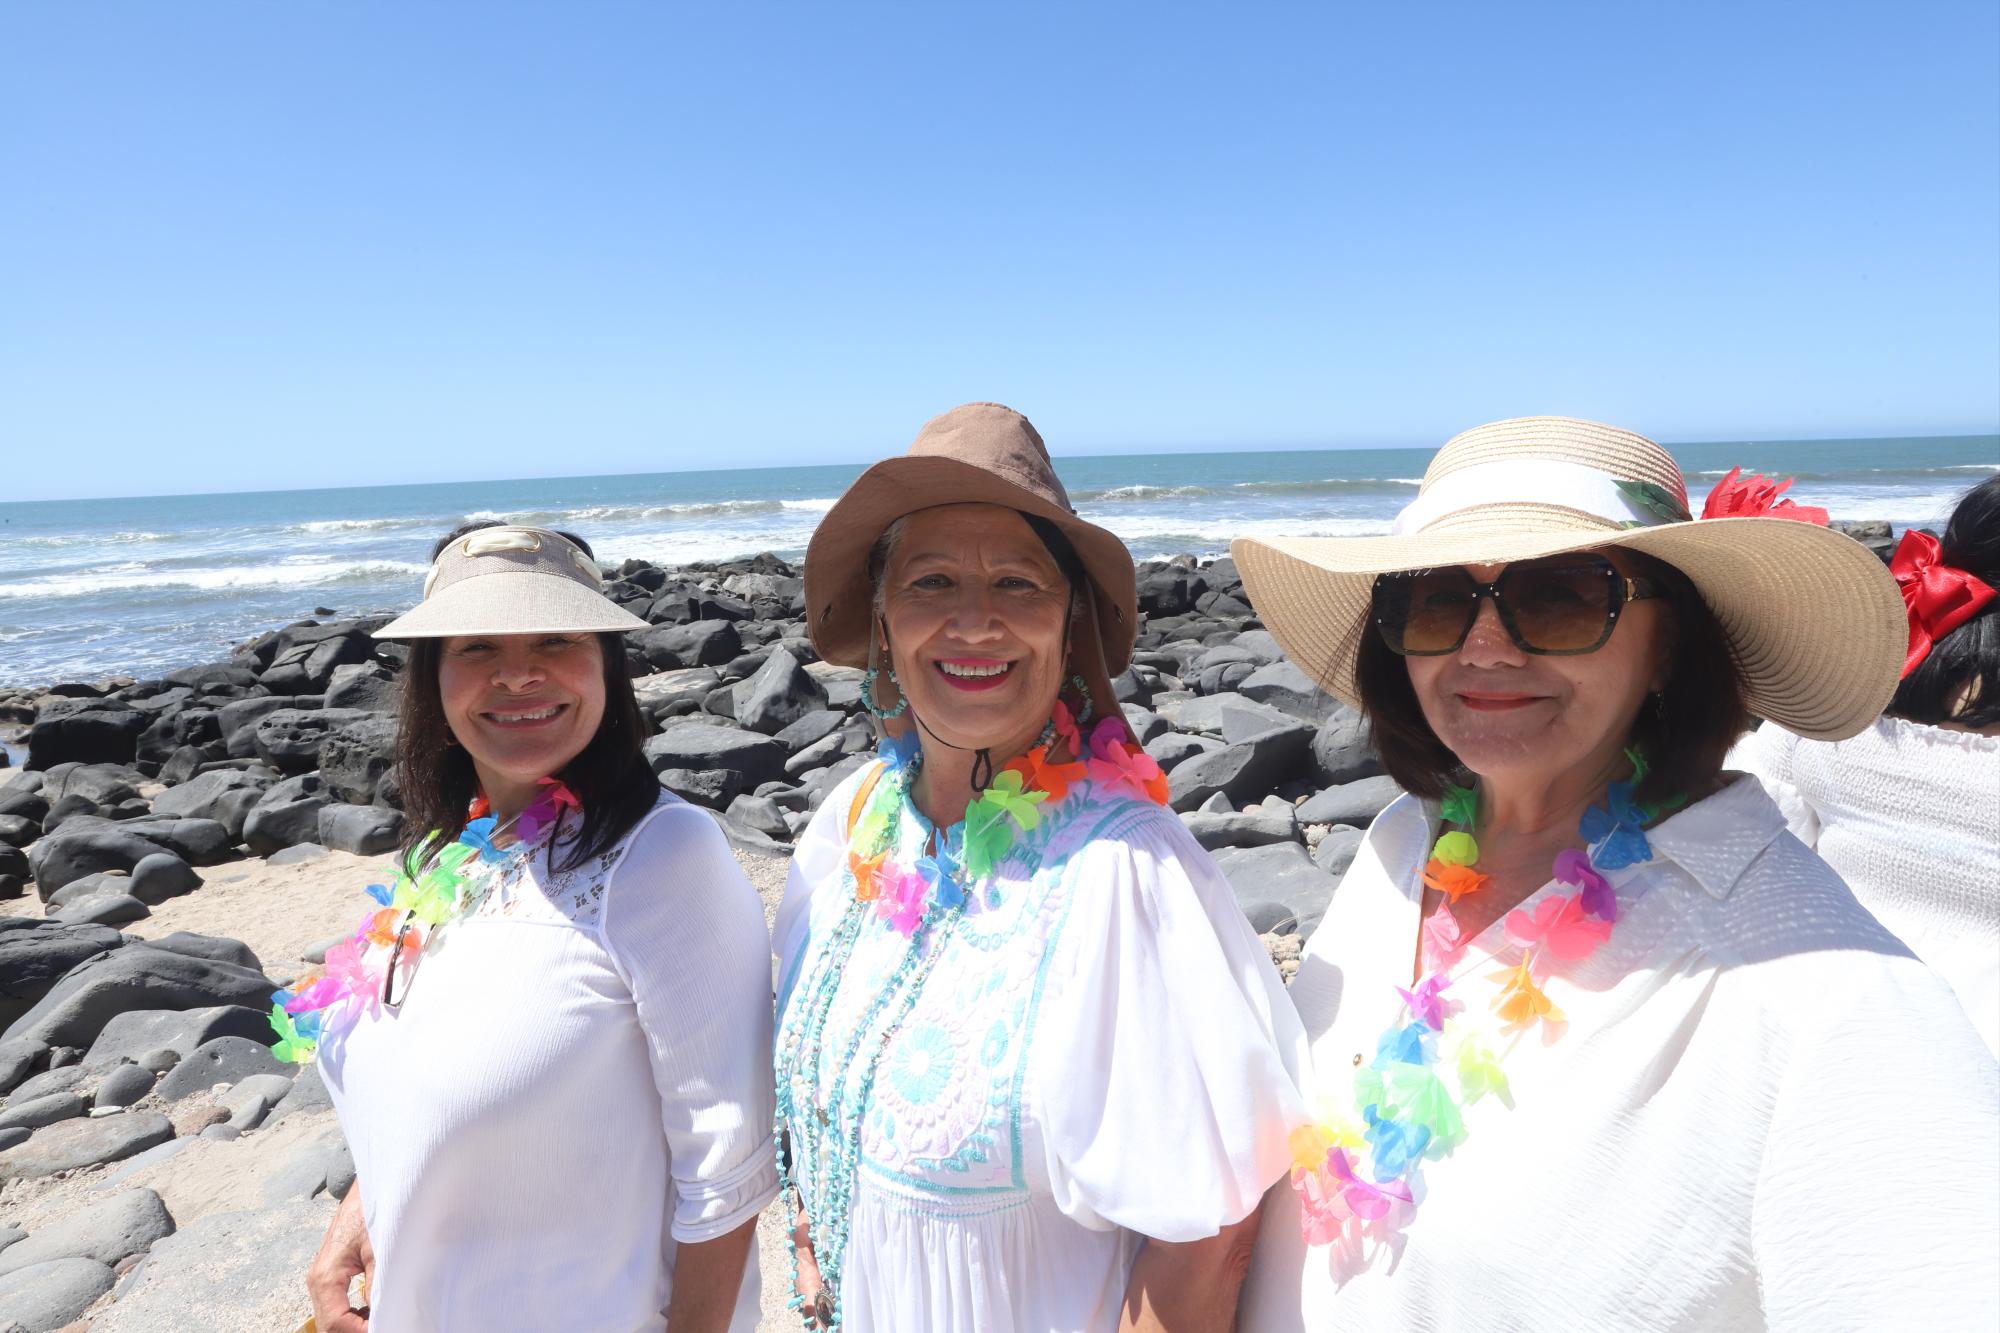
(1962, 670)
(1685, 731)
(610, 776)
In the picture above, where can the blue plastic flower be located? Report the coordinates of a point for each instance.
(1615, 830)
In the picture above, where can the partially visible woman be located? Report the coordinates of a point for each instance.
(548, 1043)
(1909, 810)
(1596, 1042)
(1032, 1059)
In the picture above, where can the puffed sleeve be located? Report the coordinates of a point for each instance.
(686, 933)
(1767, 754)
(1878, 1205)
(1169, 1057)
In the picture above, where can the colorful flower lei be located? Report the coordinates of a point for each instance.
(350, 981)
(1011, 804)
(1355, 1171)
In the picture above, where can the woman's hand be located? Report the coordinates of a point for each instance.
(1192, 1286)
(808, 1285)
(343, 1252)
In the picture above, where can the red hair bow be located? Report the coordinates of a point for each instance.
(1938, 597)
(1756, 496)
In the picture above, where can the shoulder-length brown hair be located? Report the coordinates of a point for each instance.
(610, 775)
(1685, 731)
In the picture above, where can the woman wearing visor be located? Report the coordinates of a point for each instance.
(1596, 1043)
(548, 1042)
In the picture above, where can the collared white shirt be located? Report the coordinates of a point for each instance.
(1764, 1111)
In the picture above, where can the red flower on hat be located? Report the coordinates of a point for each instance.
(1937, 597)
(1755, 496)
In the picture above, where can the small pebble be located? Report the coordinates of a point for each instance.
(222, 1131)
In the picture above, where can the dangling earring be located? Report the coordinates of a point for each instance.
(1086, 706)
(868, 680)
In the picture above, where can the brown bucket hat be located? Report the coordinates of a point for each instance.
(981, 453)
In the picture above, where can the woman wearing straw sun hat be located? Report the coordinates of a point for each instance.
(548, 1041)
(1595, 1042)
(1032, 1063)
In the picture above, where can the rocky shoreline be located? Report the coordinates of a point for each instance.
(118, 1053)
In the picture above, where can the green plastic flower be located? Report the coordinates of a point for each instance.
(1461, 806)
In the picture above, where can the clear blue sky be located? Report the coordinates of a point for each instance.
(296, 244)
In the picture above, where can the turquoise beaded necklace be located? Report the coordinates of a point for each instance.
(827, 1136)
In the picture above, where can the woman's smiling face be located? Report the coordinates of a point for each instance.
(1529, 718)
(977, 612)
(522, 705)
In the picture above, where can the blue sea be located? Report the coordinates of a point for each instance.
(91, 588)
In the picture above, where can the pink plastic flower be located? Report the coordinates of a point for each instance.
(1116, 763)
(901, 903)
(1560, 927)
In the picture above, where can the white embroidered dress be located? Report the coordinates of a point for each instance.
(1100, 1054)
(1765, 1113)
(578, 1081)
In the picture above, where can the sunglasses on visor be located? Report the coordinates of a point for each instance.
(1560, 605)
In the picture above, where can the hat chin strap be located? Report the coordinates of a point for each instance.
(1539, 481)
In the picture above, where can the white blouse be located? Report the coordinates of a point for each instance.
(1764, 1114)
(578, 1081)
(1909, 815)
(1100, 1054)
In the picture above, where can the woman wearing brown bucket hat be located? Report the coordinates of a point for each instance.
(1032, 1063)
(547, 1042)
(1596, 1043)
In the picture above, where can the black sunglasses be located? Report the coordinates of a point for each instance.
(389, 1000)
(1558, 606)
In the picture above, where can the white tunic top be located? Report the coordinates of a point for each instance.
(578, 1080)
(1095, 1058)
(1909, 815)
(1765, 1112)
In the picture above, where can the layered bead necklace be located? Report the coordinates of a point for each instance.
(922, 902)
(1353, 1170)
(406, 917)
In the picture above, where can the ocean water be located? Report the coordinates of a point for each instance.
(90, 588)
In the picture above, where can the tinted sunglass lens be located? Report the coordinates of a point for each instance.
(1559, 608)
(1434, 609)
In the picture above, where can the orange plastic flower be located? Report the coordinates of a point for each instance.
(382, 927)
(1454, 882)
(1521, 1002)
(1040, 772)
(864, 868)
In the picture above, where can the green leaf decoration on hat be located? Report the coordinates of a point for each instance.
(1654, 499)
(1461, 806)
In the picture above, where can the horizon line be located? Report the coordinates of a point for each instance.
(1992, 434)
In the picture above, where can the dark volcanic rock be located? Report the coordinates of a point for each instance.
(162, 876)
(238, 721)
(137, 1033)
(781, 693)
(355, 758)
(87, 846)
(224, 795)
(1286, 688)
(753, 758)
(100, 784)
(304, 659)
(289, 739)
(75, 1143)
(1353, 803)
(286, 815)
(1282, 875)
(695, 643)
(221, 1060)
(87, 731)
(1248, 828)
(103, 909)
(215, 948)
(1242, 771)
(365, 830)
(51, 1295)
(34, 955)
(1342, 750)
(76, 1008)
(367, 686)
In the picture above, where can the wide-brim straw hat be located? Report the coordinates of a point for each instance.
(512, 580)
(1815, 622)
(981, 453)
